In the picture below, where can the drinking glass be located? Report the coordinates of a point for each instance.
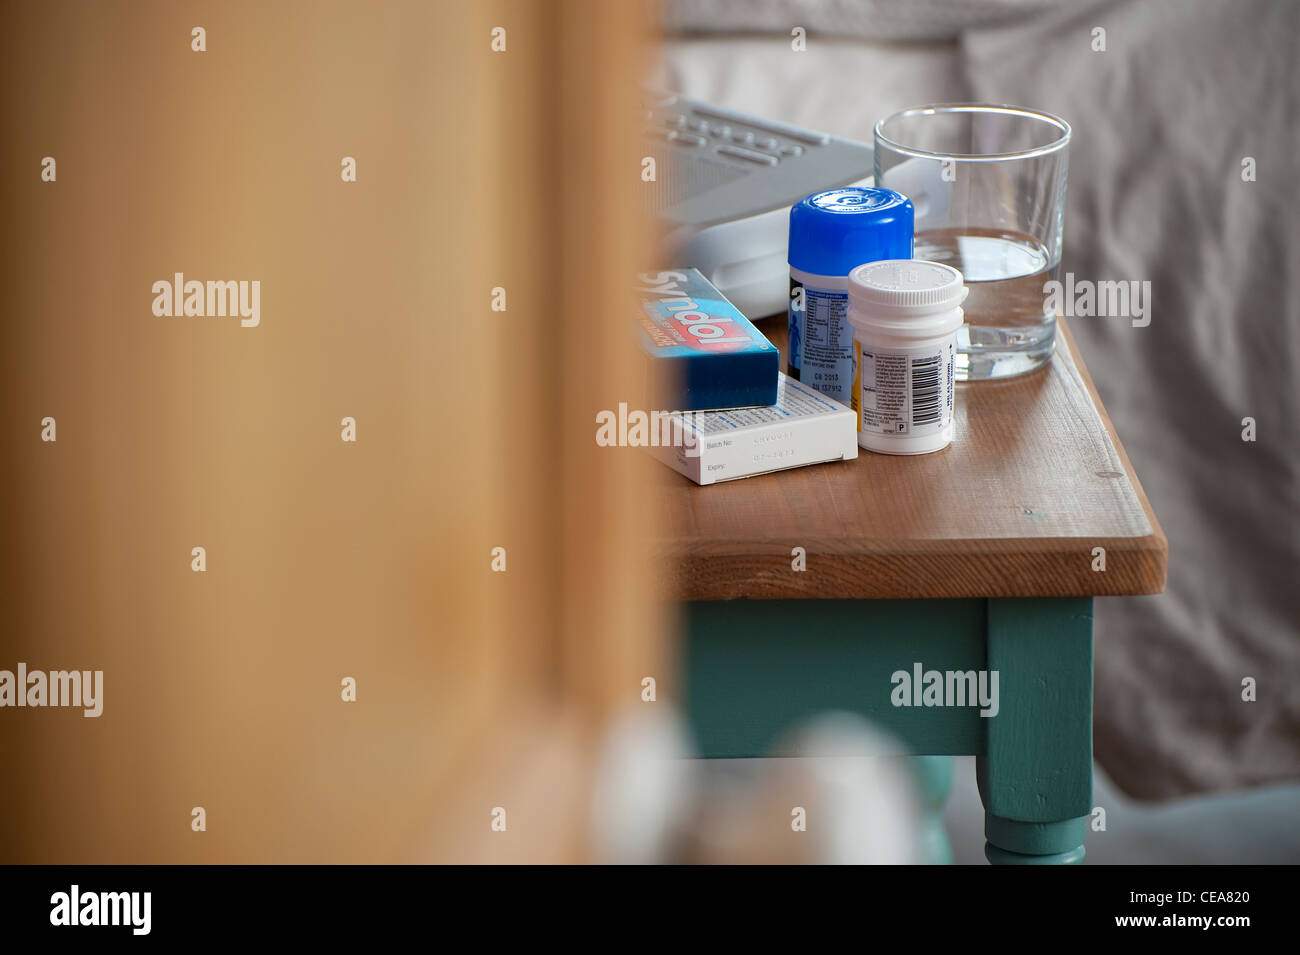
(988, 186)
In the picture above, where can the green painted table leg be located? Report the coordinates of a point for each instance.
(754, 669)
(1036, 774)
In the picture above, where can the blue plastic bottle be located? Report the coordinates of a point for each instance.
(831, 234)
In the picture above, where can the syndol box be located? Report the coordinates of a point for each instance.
(702, 353)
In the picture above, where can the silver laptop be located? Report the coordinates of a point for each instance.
(724, 185)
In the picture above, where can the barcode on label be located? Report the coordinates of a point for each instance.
(925, 390)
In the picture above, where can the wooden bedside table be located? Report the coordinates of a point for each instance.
(984, 556)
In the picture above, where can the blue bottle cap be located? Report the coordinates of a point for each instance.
(833, 232)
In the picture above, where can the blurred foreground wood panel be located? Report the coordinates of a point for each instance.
(477, 169)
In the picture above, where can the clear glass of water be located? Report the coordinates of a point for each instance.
(988, 186)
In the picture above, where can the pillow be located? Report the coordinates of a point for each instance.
(863, 19)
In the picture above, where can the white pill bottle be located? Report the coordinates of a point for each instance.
(905, 315)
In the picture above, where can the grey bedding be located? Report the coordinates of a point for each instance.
(1163, 119)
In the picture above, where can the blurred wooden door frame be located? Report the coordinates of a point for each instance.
(566, 155)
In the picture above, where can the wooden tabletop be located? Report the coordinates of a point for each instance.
(1034, 481)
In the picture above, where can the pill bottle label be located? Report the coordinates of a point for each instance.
(821, 338)
(905, 391)
(795, 341)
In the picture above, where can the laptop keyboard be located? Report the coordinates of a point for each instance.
(731, 136)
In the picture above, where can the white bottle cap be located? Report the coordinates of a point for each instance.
(899, 288)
